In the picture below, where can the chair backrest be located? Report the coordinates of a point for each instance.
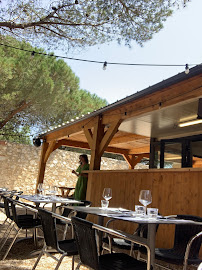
(13, 209)
(49, 228)
(6, 206)
(82, 215)
(183, 233)
(86, 242)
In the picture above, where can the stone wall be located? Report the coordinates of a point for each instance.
(19, 167)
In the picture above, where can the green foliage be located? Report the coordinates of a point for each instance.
(86, 23)
(13, 133)
(39, 91)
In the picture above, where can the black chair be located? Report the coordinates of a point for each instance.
(87, 248)
(183, 234)
(9, 220)
(23, 222)
(69, 212)
(2, 204)
(64, 247)
(109, 241)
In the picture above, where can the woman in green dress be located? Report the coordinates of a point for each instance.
(81, 185)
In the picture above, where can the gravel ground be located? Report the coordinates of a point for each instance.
(20, 257)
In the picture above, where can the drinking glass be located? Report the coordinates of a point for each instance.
(107, 194)
(145, 197)
(104, 204)
(140, 210)
(152, 213)
(53, 190)
(47, 189)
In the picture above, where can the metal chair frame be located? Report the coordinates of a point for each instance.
(75, 213)
(56, 249)
(12, 227)
(188, 248)
(118, 234)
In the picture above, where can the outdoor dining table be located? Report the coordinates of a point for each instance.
(126, 215)
(48, 199)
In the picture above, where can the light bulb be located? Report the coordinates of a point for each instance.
(186, 69)
(105, 65)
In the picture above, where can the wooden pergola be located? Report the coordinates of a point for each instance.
(137, 127)
(128, 126)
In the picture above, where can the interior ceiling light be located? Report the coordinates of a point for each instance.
(196, 121)
(190, 123)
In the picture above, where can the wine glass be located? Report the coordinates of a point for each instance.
(145, 197)
(40, 188)
(53, 190)
(47, 189)
(107, 194)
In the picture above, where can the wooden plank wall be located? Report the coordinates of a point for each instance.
(174, 191)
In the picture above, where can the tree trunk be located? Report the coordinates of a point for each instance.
(20, 108)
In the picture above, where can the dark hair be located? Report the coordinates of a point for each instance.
(85, 157)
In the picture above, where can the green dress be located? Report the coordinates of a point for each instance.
(81, 185)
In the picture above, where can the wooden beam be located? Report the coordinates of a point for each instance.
(49, 150)
(109, 135)
(84, 145)
(130, 137)
(42, 164)
(139, 150)
(180, 92)
(164, 97)
(66, 131)
(133, 160)
(89, 136)
(130, 159)
(138, 159)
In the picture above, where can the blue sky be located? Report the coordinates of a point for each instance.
(179, 42)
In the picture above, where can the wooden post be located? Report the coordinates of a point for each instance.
(97, 136)
(99, 139)
(49, 150)
(42, 164)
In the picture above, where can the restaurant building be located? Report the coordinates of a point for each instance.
(163, 124)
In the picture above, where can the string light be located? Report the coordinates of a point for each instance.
(95, 61)
(105, 65)
(186, 69)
